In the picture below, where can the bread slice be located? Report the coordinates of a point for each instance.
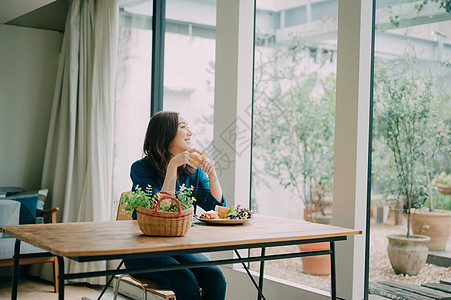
(209, 215)
(221, 209)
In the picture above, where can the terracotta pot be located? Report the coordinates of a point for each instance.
(306, 216)
(443, 188)
(407, 255)
(435, 224)
(316, 265)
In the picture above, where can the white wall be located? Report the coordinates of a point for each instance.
(239, 286)
(28, 66)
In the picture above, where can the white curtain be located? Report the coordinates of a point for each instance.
(79, 154)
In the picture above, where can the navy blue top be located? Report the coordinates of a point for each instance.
(143, 174)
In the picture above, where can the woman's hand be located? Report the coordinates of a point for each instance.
(208, 166)
(189, 157)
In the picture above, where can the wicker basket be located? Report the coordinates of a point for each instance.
(162, 223)
(444, 189)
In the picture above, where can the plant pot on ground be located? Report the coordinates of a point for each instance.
(319, 211)
(315, 265)
(443, 183)
(436, 224)
(407, 255)
(444, 189)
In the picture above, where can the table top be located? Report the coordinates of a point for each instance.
(125, 237)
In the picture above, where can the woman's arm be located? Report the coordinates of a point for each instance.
(208, 167)
(203, 193)
(141, 175)
(170, 179)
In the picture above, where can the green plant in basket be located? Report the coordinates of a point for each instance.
(146, 200)
(137, 198)
(183, 195)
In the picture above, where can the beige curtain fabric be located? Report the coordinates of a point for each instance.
(79, 154)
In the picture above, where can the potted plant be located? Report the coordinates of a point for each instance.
(162, 214)
(294, 114)
(443, 183)
(407, 121)
(435, 223)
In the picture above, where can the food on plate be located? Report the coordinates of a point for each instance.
(211, 214)
(222, 211)
(240, 213)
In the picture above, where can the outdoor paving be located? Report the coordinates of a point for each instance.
(405, 291)
(441, 258)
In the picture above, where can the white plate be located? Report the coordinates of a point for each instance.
(223, 221)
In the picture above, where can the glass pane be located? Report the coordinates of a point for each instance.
(132, 88)
(189, 65)
(411, 133)
(293, 121)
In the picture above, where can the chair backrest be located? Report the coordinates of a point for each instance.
(121, 213)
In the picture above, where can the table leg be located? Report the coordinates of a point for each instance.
(262, 271)
(109, 281)
(333, 278)
(61, 278)
(250, 275)
(15, 269)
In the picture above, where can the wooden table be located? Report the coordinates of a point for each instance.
(92, 241)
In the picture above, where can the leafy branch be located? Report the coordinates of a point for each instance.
(147, 200)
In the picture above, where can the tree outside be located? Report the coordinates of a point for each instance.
(294, 115)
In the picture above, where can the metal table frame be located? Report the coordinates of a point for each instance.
(261, 258)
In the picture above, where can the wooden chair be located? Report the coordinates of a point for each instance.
(146, 285)
(37, 260)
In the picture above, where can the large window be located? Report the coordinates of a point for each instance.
(189, 66)
(293, 121)
(412, 118)
(132, 88)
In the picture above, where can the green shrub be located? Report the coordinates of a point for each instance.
(442, 178)
(442, 201)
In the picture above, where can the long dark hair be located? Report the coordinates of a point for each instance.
(161, 130)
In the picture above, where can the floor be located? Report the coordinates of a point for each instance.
(33, 288)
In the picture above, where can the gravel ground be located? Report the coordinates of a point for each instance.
(380, 268)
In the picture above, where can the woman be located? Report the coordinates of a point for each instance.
(169, 162)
